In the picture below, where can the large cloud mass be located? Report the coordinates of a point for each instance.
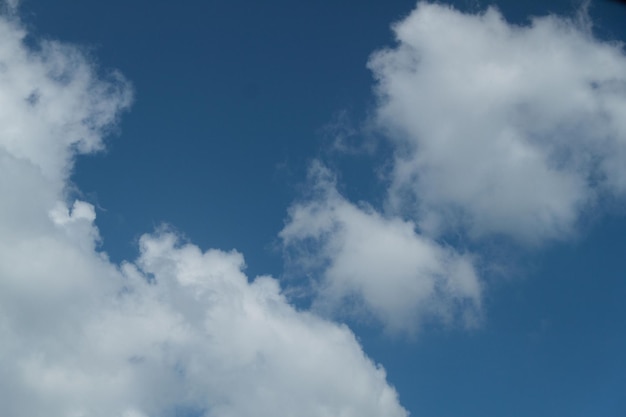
(501, 129)
(178, 330)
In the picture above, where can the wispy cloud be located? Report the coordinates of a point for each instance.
(179, 328)
(10, 7)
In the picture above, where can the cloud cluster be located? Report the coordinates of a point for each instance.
(498, 130)
(375, 263)
(179, 330)
(501, 129)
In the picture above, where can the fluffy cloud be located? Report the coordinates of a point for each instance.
(499, 128)
(380, 265)
(249, 352)
(179, 329)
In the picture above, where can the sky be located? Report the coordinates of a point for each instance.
(233, 209)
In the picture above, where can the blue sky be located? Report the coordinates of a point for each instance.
(428, 198)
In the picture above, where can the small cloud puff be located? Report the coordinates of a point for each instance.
(400, 277)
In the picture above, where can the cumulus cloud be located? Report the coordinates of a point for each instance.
(378, 265)
(177, 330)
(501, 129)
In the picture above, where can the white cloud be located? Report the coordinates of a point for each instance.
(394, 273)
(179, 327)
(499, 128)
(249, 352)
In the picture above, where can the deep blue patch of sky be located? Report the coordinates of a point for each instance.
(234, 99)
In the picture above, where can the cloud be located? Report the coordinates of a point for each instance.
(377, 264)
(177, 329)
(10, 7)
(501, 129)
(250, 352)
